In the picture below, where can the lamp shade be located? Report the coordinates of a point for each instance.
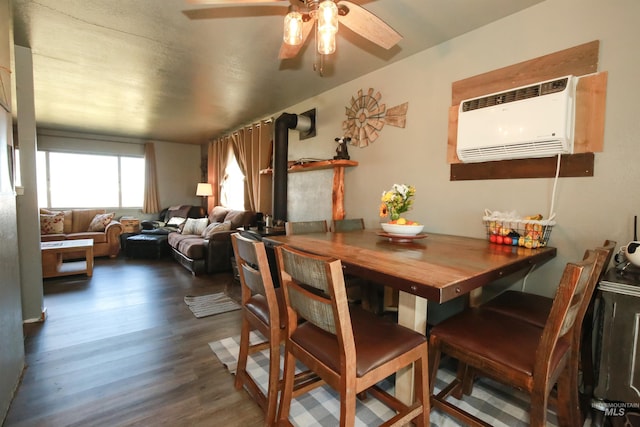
(204, 189)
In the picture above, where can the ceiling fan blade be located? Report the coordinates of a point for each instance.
(288, 51)
(369, 26)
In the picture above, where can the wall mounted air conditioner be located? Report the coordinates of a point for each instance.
(530, 121)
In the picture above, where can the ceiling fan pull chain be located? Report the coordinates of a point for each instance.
(318, 59)
(318, 64)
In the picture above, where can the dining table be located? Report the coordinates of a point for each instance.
(428, 267)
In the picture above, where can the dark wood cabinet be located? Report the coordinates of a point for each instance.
(617, 388)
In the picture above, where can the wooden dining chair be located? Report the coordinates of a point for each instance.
(359, 290)
(530, 307)
(375, 297)
(347, 224)
(305, 227)
(263, 310)
(535, 309)
(518, 353)
(351, 349)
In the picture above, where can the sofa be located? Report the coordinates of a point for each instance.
(170, 218)
(203, 245)
(74, 224)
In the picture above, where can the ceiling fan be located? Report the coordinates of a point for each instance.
(323, 16)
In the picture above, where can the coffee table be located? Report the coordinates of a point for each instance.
(53, 264)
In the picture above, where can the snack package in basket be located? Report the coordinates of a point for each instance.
(509, 228)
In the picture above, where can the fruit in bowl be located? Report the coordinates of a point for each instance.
(402, 227)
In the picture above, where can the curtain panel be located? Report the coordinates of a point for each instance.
(150, 203)
(217, 156)
(252, 147)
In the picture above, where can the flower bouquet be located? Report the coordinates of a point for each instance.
(395, 202)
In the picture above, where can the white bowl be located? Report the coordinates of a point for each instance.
(402, 230)
(634, 258)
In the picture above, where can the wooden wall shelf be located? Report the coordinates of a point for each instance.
(314, 166)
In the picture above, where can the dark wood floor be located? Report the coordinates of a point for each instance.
(122, 348)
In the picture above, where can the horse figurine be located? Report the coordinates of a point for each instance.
(341, 152)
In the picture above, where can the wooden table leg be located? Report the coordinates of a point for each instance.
(412, 313)
(89, 257)
(50, 264)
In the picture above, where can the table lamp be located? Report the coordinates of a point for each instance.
(204, 190)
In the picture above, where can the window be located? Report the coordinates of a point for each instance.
(71, 180)
(232, 189)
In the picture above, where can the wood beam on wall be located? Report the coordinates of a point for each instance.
(571, 165)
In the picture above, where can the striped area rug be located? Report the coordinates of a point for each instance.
(209, 305)
(492, 402)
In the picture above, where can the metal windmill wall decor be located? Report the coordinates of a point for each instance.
(366, 116)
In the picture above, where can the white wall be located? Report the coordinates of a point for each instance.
(589, 210)
(27, 202)
(178, 167)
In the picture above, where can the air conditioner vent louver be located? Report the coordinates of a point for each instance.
(516, 94)
(530, 149)
(525, 122)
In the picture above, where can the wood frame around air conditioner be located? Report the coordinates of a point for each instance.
(582, 61)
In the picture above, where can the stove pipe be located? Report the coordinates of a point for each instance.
(283, 123)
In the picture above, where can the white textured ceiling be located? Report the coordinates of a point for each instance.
(167, 70)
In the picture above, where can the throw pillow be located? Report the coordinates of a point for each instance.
(52, 223)
(215, 227)
(218, 214)
(68, 218)
(195, 226)
(181, 211)
(240, 218)
(100, 221)
(176, 221)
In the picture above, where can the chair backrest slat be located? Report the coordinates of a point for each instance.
(569, 295)
(587, 286)
(255, 275)
(348, 224)
(577, 282)
(247, 251)
(315, 290)
(608, 247)
(308, 271)
(305, 227)
(313, 308)
(253, 279)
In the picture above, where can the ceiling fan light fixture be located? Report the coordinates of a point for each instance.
(293, 28)
(327, 27)
(326, 42)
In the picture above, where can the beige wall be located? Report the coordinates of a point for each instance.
(588, 210)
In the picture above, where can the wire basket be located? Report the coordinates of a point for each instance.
(528, 232)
